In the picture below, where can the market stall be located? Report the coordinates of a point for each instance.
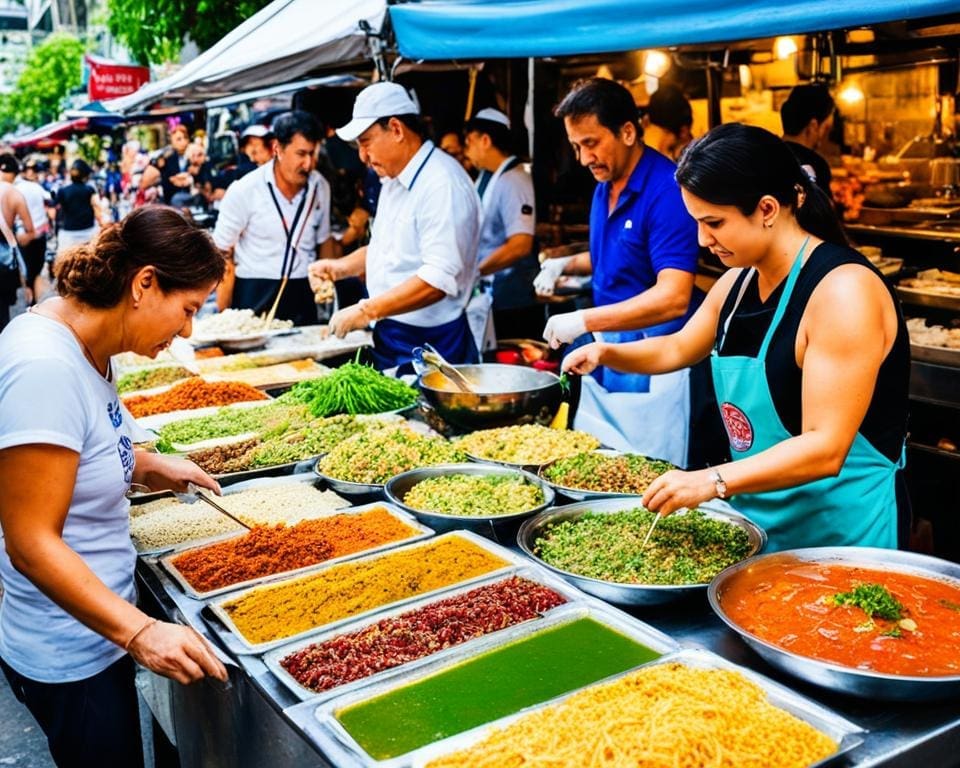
(306, 631)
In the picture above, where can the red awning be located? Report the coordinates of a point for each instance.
(51, 133)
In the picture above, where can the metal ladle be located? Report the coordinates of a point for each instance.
(429, 355)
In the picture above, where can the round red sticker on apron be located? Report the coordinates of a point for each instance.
(739, 429)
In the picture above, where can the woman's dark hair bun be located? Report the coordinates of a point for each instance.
(99, 273)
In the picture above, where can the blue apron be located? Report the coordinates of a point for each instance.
(393, 343)
(856, 508)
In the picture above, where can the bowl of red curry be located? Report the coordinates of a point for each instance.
(873, 623)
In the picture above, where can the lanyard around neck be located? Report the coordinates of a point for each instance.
(288, 257)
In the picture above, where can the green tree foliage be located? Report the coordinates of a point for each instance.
(154, 30)
(52, 71)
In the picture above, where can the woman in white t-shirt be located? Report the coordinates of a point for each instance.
(68, 620)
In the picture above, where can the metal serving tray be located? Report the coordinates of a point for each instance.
(938, 355)
(584, 494)
(335, 741)
(623, 593)
(423, 532)
(848, 735)
(836, 677)
(238, 644)
(928, 299)
(158, 420)
(263, 482)
(532, 573)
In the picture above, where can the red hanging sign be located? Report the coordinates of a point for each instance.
(109, 80)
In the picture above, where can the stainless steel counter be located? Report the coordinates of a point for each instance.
(244, 723)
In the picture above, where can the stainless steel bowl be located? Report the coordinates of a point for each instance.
(346, 487)
(504, 395)
(857, 682)
(399, 485)
(628, 594)
(582, 494)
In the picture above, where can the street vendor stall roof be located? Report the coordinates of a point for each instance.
(61, 130)
(281, 42)
(479, 29)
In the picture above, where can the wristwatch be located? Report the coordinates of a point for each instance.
(719, 484)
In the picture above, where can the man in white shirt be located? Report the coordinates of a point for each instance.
(506, 259)
(420, 264)
(273, 223)
(33, 250)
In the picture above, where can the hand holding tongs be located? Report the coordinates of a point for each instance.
(193, 493)
(427, 354)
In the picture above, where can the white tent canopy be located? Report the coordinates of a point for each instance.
(280, 43)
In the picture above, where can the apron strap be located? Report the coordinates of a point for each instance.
(745, 277)
(784, 300)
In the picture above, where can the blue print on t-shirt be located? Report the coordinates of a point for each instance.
(125, 449)
(116, 415)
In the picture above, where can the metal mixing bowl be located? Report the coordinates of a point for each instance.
(628, 594)
(398, 486)
(858, 682)
(583, 494)
(503, 395)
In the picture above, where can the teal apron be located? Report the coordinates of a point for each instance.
(856, 508)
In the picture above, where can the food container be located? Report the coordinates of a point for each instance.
(857, 682)
(504, 395)
(397, 487)
(420, 532)
(622, 593)
(532, 573)
(238, 644)
(846, 734)
(582, 494)
(343, 749)
(347, 487)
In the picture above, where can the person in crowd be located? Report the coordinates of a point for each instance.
(13, 271)
(79, 208)
(256, 149)
(507, 261)
(815, 463)
(33, 250)
(807, 117)
(57, 166)
(667, 121)
(420, 263)
(452, 143)
(70, 632)
(274, 222)
(200, 191)
(643, 258)
(169, 168)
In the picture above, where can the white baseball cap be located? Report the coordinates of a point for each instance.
(493, 115)
(257, 130)
(374, 102)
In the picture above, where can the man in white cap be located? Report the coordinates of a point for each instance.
(421, 261)
(256, 149)
(506, 259)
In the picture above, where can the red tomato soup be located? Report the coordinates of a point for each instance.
(870, 619)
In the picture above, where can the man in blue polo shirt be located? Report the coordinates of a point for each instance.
(643, 258)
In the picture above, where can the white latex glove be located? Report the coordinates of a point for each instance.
(562, 329)
(550, 270)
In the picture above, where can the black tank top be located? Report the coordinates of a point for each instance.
(885, 424)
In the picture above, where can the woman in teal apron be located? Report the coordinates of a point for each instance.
(814, 405)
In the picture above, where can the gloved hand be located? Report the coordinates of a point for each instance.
(550, 270)
(562, 329)
(347, 319)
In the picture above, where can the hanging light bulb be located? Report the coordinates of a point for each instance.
(656, 64)
(746, 76)
(850, 94)
(784, 47)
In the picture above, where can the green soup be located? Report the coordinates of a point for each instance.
(497, 683)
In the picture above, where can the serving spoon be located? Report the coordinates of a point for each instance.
(429, 355)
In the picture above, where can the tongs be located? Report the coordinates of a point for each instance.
(429, 355)
(193, 493)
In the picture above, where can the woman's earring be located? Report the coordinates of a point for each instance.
(768, 225)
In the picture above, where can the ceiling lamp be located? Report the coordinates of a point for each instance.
(656, 64)
(784, 47)
(850, 94)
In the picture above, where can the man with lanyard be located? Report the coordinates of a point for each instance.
(643, 257)
(420, 264)
(506, 260)
(274, 222)
(170, 166)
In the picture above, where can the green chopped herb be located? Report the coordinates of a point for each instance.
(949, 604)
(626, 473)
(474, 495)
(353, 388)
(874, 600)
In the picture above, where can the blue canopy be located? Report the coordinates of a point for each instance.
(481, 29)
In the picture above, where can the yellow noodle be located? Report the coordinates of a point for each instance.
(664, 716)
